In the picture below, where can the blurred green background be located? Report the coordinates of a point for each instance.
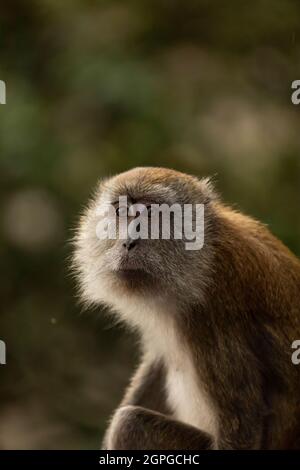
(97, 87)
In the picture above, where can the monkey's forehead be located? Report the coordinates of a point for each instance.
(154, 184)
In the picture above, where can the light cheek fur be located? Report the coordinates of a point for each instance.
(96, 260)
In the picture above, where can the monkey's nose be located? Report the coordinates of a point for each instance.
(129, 244)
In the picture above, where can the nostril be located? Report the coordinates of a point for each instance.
(129, 244)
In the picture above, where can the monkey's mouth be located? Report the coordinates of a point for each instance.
(129, 263)
(133, 272)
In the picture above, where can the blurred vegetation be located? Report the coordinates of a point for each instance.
(94, 88)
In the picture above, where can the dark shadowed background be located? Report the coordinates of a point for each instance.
(95, 88)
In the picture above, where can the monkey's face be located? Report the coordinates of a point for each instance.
(115, 263)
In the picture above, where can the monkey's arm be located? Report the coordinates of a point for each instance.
(142, 421)
(146, 389)
(137, 428)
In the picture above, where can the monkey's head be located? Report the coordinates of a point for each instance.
(116, 270)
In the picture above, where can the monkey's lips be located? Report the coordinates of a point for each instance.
(132, 270)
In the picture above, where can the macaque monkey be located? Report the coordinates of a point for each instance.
(216, 324)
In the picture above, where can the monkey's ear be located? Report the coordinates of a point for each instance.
(207, 188)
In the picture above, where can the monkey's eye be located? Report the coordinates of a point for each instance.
(122, 211)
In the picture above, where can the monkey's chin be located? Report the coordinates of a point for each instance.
(135, 278)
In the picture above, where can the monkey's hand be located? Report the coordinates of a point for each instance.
(137, 428)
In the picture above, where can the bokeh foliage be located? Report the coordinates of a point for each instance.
(97, 87)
